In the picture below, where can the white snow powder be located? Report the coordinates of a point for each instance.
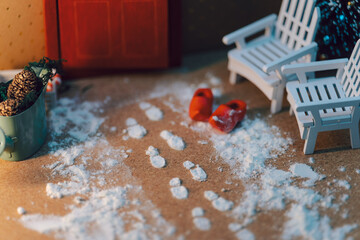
(175, 182)
(245, 235)
(202, 223)
(197, 212)
(213, 79)
(203, 142)
(113, 129)
(342, 169)
(137, 131)
(222, 204)
(188, 165)
(234, 227)
(131, 122)
(305, 171)
(158, 161)
(21, 211)
(144, 105)
(154, 114)
(210, 195)
(307, 223)
(198, 174)
(179, 192)
(343, 183)
(175, 142)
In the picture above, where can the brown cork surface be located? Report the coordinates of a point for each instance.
(23, 183)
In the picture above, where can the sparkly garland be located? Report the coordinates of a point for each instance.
(339, 28)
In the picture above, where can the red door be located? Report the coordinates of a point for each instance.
(109, 34)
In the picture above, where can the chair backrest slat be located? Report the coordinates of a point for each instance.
(297, 23)
(351, 76)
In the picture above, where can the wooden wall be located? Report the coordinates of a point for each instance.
(205, 22)
(21, 32)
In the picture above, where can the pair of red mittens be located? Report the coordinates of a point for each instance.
(225, 117)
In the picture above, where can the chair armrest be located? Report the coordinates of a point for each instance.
(302, 68)
(293, 56)
(239, 35)
(338, 103)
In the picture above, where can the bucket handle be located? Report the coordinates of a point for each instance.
(5, 142)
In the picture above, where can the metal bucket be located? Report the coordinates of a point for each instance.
(23, 134)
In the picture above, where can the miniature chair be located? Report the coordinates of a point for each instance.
(326, 104)
(286, 39)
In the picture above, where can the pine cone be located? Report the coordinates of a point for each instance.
(23, 83)
(9, 107)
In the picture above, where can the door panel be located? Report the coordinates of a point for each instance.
(106, 34)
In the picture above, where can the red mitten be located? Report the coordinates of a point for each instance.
(226, 116)
(201, 105)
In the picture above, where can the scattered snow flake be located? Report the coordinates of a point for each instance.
(307, 223)
(343, 183)
(198, 174)
(202, 223)
(21, 211)
(216, 81)
(342, 169)
(203, 142)
(179, 192)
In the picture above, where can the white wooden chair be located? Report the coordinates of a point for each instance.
(326, 104)
(286, 39)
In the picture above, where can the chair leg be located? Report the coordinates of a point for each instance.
(291, 111)
(276, 104)
(354, 136)
(310, 141)
(233, 78)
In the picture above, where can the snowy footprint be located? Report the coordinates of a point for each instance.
(218, 203)
(178, 191)
(197, 172)
(156, 160)
(134, 129)
(152, 112)
(202, 223)
(175, 142)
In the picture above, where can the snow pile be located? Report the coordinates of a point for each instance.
(83, 162)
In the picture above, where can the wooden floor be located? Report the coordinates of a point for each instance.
(23, 183)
